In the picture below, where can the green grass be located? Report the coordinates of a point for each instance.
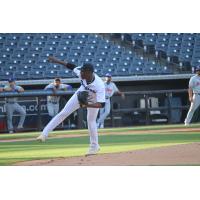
(12, 152)
(108, 130)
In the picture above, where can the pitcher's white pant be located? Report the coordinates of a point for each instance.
(194, 105)
(104, 112)
(71, 106)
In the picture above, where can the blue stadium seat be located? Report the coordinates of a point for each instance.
(27, 36)
(161, 45)
(65, 73)
(126, 37)
(109, 70)
(52, 67)
(51, 74)
(21, 75)
(52, 43)
(5, 75)
(98, 71)
(112, 59)
(138, 36)
(68, 36)
(164, 70)
(10, 68)
(36, 74)
(38, 68)
(24, 67)
(122, 71)
(32, 50)
(150, 39)
(55, 37)
(82, 36)
(25, 44)
(150, 67)
(136, 70)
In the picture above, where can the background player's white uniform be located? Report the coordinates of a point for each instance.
(194, 83)
(110, 89)
(53, 101)
(96, 91)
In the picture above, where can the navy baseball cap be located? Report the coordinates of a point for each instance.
(108, 75)
(87, 67)
(11, 80)
(197, 68)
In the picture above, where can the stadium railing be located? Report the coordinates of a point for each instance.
(146, 107)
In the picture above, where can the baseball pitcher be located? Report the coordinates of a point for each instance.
(90, 95)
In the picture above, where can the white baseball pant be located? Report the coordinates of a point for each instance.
(71, 106)
(194, 105)
(104, 112)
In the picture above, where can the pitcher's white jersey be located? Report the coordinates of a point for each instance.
(96, 89)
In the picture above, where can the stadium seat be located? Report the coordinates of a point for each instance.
(37, 74)
(109, 70)
(21, 75)
(136, 70)
(122, 71)
(51, 73)
(27, 52)
(137, 36)
(65, 73)
(5, 75)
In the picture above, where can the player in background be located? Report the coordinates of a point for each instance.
(110, 88)
(12, 106)
(53, 101)
(194, 97)
(92, 83)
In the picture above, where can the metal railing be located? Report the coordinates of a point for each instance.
(36, 97)
(168, 108)
(146, 110)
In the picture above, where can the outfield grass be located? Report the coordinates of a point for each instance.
(107, 130)
(12, 152)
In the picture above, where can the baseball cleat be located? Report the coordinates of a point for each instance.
(92, 151)
(41, 138)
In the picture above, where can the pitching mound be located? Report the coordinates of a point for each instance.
(185, 154)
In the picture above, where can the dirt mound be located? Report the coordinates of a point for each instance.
(184, 154)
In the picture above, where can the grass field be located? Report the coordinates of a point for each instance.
(111, 140)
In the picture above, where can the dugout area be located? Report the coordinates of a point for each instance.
(147, 102)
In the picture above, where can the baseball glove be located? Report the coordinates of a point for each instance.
(83, 98)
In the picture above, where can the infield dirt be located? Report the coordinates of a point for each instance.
(182, 154)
